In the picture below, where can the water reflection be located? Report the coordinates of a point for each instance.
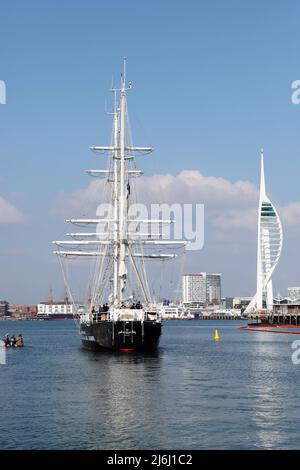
(121, 394)
(271, 377)
(193, 393)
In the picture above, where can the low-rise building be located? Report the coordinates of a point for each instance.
(227, 303)
(23, 311)
(59, 309)
(294, 293)
(286, 311)
(241, 302)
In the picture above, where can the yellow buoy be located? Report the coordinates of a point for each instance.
(216, 337)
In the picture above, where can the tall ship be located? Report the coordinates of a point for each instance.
(120, 312)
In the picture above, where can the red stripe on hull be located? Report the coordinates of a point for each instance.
(90, 348)
(57, 319)
(268, 330)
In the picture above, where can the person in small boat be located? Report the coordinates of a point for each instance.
(12, 341)
(7, 340)
(19, 341)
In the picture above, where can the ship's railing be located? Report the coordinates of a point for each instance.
(84, 318)
(96, 317)
(124, 314)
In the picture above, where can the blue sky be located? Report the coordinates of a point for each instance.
(212, 84)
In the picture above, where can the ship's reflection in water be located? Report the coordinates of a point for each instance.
(193, 393)
(124, 396)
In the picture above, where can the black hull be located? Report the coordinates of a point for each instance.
(127, 335)
(124, 336)
(87, 339)
(56, 316)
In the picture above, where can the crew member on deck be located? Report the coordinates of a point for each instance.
(94, 315)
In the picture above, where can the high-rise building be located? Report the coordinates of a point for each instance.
(194, 288)
(269, 248)
(294, 293)
(201, 288)
(213, 288)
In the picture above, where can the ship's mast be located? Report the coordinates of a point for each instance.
(118, 241)
(122, 225)
(116, 201)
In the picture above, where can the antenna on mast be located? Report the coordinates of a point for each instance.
(123, 79)
(123, 74)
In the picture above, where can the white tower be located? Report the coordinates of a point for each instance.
(269, 247)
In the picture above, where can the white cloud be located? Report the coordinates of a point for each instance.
(187, 186)
(230, 223)
(290, 214)
(229, 205)
(192, 186)
(246, 218)
(81, 201)
(9, 214)
(236, 219)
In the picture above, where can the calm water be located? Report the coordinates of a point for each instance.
(240, 393)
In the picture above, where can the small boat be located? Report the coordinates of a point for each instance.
(19, 343)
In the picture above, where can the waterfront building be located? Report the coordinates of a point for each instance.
(201, 288)
(285, 311)
(55, 310)
(294, 293)
(194, 288)
(23, 311)
(241, 302)
(227, 303)
(269, 248)
(4, 308)
(213, 288)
